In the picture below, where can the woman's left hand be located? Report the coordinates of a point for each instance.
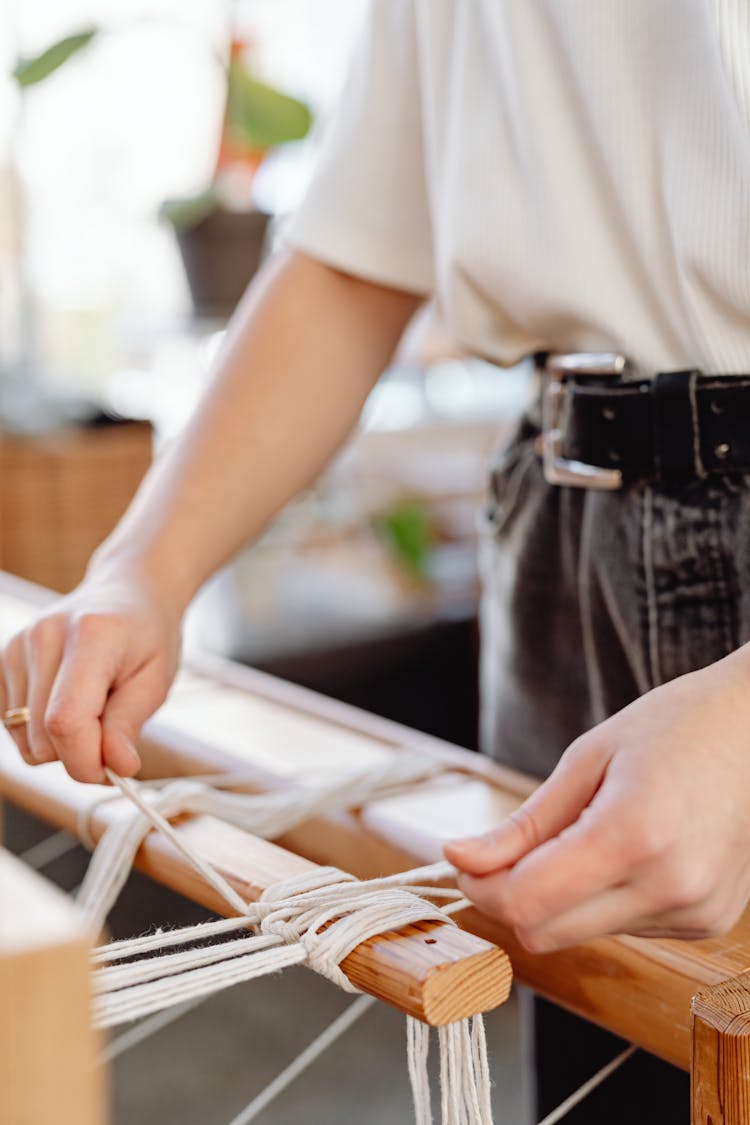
(643, 828)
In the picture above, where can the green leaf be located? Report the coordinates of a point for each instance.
(29, 71)
(261, 116)
(408, 528)
(189, 210)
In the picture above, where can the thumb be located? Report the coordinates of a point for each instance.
(127, 709)
(556, 804)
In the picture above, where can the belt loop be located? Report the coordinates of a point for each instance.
(676, 429)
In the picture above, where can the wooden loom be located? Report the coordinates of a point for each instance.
(688, 1003)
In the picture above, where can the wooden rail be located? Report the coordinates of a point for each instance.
(225, 717)
(431, 970)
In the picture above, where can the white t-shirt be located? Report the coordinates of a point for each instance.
(560, 174)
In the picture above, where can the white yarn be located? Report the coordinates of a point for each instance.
(464, 1072)
(169, 964)
(143, 999)
(317, 918)
(113, 859)
(48, 850)
(305, 1058)
(270, 814)
(162, 939)
(332, 913)
(144, 1029)
(324, 913)
(591, 1084)
(417, 1051)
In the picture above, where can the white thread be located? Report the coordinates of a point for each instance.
(142, 1031)
(162, 939)
(264, 815)
(417, 1051)
(351, 912)
(143, 999)
(272, 813)
(295, 912)
(113, 858)
(328, 912)
(304, 1059)
(464, 1072)
(320, 917)
(169, 964)
(49, 849)
(583, 1091)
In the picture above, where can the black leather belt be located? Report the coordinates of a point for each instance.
(602, 431)
(678, 426)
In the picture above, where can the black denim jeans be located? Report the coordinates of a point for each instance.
(591, 598)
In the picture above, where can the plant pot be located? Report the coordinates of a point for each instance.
(221, 253)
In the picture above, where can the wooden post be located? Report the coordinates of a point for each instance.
(48, 1051)
(720, 1062)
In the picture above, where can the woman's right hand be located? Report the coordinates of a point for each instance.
(91, 669)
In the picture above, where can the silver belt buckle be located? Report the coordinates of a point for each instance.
(558, 368)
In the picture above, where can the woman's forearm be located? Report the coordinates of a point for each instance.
(302, 353)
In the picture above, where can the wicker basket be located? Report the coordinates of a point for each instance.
(62, 493)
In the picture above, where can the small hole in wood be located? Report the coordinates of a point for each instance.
(430, 941)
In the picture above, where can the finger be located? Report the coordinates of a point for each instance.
(556, 877)
(616, 911)
(77, 700)
(555, 805)
(43, 649)
(127, 709)
(629, 910)
(14, 675)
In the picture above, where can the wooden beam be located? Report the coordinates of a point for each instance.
(431, 970)
(720, 1071)
(223, 716)
(48, 1051)
(233, 717)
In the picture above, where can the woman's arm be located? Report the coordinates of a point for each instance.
(303, 351)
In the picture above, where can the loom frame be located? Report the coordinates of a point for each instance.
(48, 1049)
(686, 1002)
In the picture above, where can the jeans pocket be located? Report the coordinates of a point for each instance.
(508, 480)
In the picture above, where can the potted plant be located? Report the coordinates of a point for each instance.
(221, 234)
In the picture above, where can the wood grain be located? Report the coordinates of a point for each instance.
(720, 1073)
(433, 971)
(222, 716)
(48, 1051)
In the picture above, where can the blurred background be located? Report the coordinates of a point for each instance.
(149, 154)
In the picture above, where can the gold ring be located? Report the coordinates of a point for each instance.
(16, 717)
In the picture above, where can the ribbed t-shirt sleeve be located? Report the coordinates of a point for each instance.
(366, 210)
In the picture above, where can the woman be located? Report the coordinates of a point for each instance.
(562, 177)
